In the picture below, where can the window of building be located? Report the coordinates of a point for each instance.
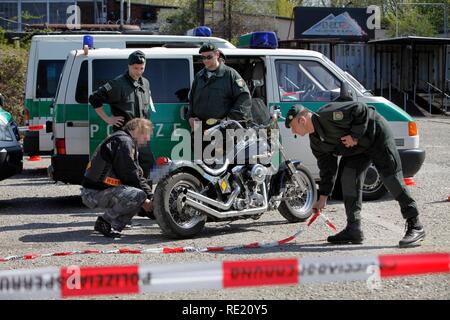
(8, 11)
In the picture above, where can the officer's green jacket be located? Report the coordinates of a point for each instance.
(128, 98)
(223, 95)
(336, 120)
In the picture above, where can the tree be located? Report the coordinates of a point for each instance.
(285, 8)
(243, 16)
(411, 22)
(183, 19)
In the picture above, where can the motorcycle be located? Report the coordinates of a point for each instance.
(194, 192)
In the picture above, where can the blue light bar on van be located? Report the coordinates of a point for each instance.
(202, 31)
(88, 41)
(259, 39)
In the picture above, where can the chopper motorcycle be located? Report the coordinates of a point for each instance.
(194, 192)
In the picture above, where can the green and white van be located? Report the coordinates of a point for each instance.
(46, 59)
(287, 76)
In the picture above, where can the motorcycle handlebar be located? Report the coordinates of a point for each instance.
(222, 124)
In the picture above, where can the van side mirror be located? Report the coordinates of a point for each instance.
(345, 94)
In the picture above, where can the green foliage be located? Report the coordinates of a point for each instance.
(13, 70)
(412, 22)
(285, 7)
(2, 37)
(183, 19)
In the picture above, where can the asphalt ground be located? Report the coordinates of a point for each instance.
(39, 216)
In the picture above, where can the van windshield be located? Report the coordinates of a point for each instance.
(357, 84)
(349, 78)
(5, 134)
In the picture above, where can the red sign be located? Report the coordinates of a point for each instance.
(76, 281)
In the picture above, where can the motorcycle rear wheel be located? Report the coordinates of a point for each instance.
(176, 221)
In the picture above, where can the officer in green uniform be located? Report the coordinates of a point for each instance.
(361, 136)
(218, 91)
(129, 98)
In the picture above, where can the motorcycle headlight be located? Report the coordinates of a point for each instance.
(258, 173)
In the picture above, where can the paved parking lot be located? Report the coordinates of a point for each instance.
(39, 216)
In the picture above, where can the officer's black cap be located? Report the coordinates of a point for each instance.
(137, 57)
(207, 47)
(293, 112)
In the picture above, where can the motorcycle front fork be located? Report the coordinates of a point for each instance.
(292, 170)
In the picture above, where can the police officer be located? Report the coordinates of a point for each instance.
(218, 91)
(360, 135)
(114, 179)
(129, 98)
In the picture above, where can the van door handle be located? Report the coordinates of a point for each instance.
(70, 124)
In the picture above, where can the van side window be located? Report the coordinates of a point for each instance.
(81, 94)
(48, 77)
(169, 80)
(305, 80)
(105, 70)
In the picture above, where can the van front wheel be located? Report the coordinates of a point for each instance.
(373, 188)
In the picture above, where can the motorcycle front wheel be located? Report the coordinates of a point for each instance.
(298, 207)
(174, 219)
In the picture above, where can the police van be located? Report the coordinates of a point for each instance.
(46, 59)
(280, 77)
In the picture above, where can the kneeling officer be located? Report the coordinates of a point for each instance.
(361, 136)
(114, 180)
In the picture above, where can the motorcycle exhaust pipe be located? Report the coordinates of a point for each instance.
(229, 214)
(220, 205)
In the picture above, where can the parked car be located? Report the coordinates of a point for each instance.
(11, 154)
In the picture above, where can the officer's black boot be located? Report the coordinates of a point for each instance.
(104, 227)
(351, 234)
(414, 233)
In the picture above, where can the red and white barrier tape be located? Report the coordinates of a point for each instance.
(254, 245)
(36, 127)
(74, 281)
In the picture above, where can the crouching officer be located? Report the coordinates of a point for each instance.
(360, 135)
(129, 98)
(114, 180)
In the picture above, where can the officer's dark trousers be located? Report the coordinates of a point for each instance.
(384, 156)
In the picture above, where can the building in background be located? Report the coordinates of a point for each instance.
(16, 15)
